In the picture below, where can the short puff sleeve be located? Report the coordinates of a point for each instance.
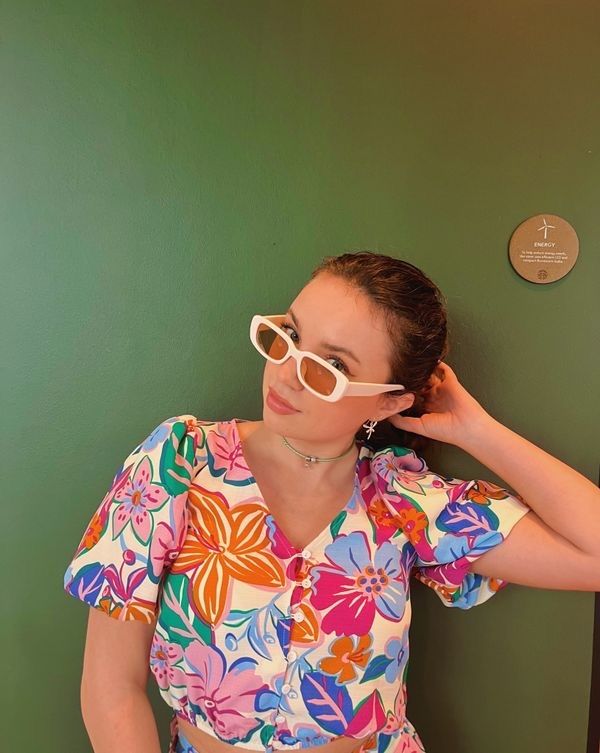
(450, 522)
(139, 527)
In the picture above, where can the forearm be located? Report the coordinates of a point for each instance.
(123, 722)
(567, 501)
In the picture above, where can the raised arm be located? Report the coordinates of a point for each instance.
(557, 544)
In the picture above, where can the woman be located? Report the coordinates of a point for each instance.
(263, 566)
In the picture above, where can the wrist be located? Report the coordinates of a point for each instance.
(478, 428)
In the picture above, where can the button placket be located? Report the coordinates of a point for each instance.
(297, 615)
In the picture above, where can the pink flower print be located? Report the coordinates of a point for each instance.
(163, 657)
(397, 717)
(369, 718)
(138, 497)
(167, 543)
(355, 586)
(227, 454)
(401, 472)
(225, 697)
(125, 591)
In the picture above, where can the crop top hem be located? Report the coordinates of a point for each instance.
(273, 745)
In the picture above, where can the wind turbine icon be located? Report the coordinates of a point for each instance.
(545, 227)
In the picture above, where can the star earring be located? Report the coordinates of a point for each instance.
(370, 427)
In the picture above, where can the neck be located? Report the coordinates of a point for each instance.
(264, 442)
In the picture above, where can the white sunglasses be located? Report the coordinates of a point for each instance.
(314, 372)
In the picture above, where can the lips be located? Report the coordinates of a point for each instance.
(279, 399)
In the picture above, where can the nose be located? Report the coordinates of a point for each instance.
(288, 373)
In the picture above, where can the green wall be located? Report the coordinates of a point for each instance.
(170, 168)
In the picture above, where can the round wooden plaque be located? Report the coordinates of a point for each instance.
(544, 248)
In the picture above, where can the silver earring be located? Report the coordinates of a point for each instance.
(370, 427)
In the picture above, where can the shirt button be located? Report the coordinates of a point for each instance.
(306, 554)
(298, 616)
(306, 582)
(279, 718)
(292, 655)
(285, 688)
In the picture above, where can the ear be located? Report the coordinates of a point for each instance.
(390, 404)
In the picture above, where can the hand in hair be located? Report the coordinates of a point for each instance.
(451, 411)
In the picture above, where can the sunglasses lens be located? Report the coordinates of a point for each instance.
(320, 379)
(270, 342)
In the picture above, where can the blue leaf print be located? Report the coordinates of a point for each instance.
(304, 666)
(256, 639)
(266, 700)
(383, 742)
(283, 633)
(469, 519)
(87, 583)
(244, 662)
(486, 541)
(328, 703)
(376, 667)
(451, 548)
(469, 591)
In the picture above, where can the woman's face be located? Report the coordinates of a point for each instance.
(329, 310)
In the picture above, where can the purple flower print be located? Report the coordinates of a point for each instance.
(138, 497)
(396, 649)
(310, 735)
(355, 586)
(163, 657)
(403, 471)
(225, 697)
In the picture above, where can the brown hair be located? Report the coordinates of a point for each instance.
(415, 314)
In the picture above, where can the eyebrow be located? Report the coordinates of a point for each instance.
(328, 346)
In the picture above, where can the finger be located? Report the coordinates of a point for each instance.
(406, 422)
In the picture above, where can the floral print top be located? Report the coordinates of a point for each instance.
(257, 642)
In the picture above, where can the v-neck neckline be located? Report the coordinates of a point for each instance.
(309, 547)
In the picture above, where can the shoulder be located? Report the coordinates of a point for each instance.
(170, 454)
(394, 461)
(404, 478)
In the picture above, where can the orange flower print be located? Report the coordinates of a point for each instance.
(221, 545)
(446, 592)
(344, 656)
(381, 515)
(412, 522)
(482, 491)
(92, 536)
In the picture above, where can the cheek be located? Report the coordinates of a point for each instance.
(343, 416)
